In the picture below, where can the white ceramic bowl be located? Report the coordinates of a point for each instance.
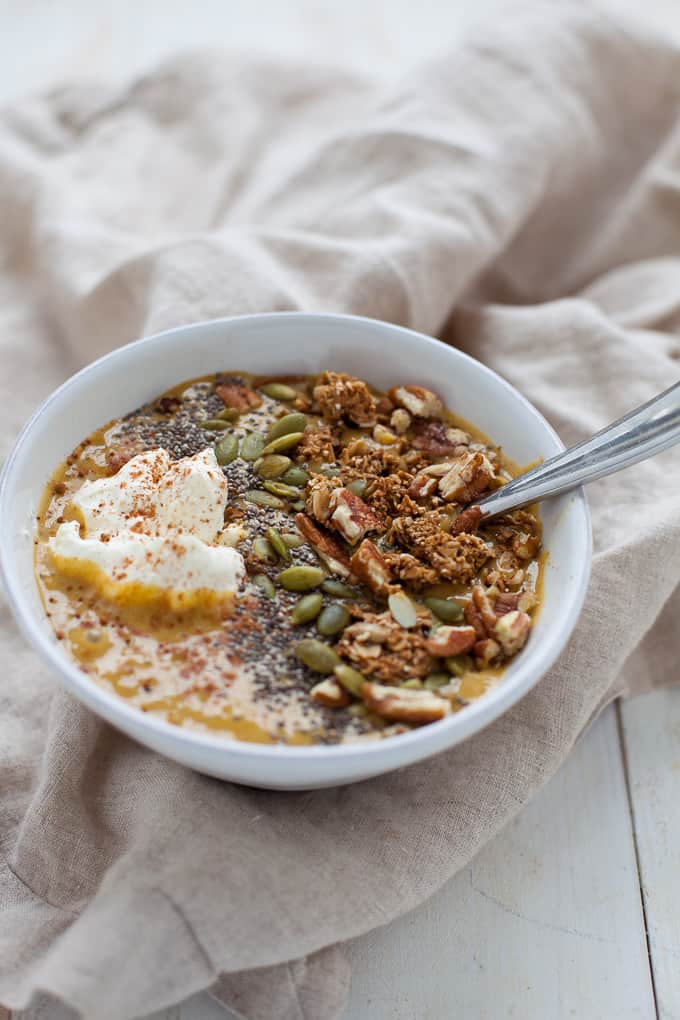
(281, 343)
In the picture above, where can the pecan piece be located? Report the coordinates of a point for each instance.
(506, 602)
(415, 707)
(237, 395)
(469, 476)
(512, 631)
(351, 516)
(451, 641)
(330, 693)
(437, 439)
(418, 401)
(330, 551)
(486, 651)
(422, 486)
(468, 521)
(319, 492)
(370, 566)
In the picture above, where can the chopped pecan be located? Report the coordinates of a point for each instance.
(319, 492)
(484, 607)
(351, 516)
(410, 570)
(423, 486)
(451, 641)
(317, 444)
(330, 551)
(512, 631)
(437, 439)
(343, 396)
(330, 693)
(418, 401)
(238, 395)
(486, 651)
(370, 567)
(377, 646)
(506, 602)
(467, 521)
(403, 705)
(473, 618)
(469, 476)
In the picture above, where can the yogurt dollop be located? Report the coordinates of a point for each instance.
(154, 523)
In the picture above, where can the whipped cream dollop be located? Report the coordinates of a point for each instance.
(154, 523)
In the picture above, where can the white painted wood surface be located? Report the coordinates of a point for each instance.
(547, 923)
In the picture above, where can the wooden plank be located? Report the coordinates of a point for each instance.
(651, 732)
(546, 922)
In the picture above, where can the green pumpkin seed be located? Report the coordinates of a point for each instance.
(295, 476)
(358, 486)
(279, 391)
(316, 655)
(262, 550)
(351, 679)
(402, 609)
(266, 499)
(214, 425)
(412, 684)
(295, 422)
(300, 578)
(265, 584)
(338, 588)
(459, 664)
(226, 450)
(306, 609)
(332, 620)
(278, 545)
(252, 446)
(272, 466)
(282, 443)
(298, 504)
(329, 470)
(279, 489)
(292, 540)
(433, 681)
(228, 414)
(447, 610)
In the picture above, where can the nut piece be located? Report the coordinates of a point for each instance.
(319, 492)
(330, 551)
(418, 401)
(370, 567)
(422, 486)
(404, 705)
(235, 394)
(350, 515)
(512, 631)
(486, 651)
(400, 420)
(451, 641)
(468, 521)
(384, 436)
(470, 475)
(330, 693)
(343, 396)
(437, 439)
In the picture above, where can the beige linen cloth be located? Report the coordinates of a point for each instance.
(520, 198)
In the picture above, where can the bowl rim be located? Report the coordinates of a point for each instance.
(476, 716)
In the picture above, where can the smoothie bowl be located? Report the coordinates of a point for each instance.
(251, 545)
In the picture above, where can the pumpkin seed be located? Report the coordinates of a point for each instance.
(282, 443)
(279, 489)
(316, 655)
(265, 584)
(332, 620)
(226, 450)
(278, 545)
(338, 588)
(292, 540)
(295, 422)
(358, 487)
(272, 466)
(300, 578)
(298, 504)
(411, 684)
(459, 664)
(279, 391)
(295, 476)
(260, 498)
(262, 550)
(329, 470)
(402, 609)
(228, 414)
(351, 679)
(447, 610)
(214, 425)
(252, 446)
(358, 709)
(306, 609)
(433, 681)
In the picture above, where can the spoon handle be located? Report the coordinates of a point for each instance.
(642, 433)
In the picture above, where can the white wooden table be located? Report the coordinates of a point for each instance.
(574, 910)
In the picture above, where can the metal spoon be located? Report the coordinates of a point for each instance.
(643, 433)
